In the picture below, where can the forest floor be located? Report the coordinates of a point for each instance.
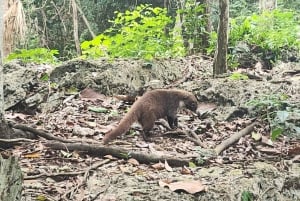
(253, 168)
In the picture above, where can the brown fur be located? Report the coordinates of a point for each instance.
(152, 106)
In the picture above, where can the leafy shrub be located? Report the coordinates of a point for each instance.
(238, 76)
(267, 35)
(138, 33)
(272, 30)
(37, 55)
(193, 24)
(279, 113)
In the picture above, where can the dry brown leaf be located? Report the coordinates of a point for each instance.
(205, 108)
(185, 170)
(267, 141)
(158, 166)
(165, 182)
(168, 168)
(109, 157)
(191, 187)
(36, 154)
(294, 151)
(133, 162)
(90, 94)
(126, 98)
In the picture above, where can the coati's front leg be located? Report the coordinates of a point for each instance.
(173, 121)
(147, 121)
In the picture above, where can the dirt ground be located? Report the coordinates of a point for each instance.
(253, 168)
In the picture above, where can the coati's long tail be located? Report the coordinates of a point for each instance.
(123, 126)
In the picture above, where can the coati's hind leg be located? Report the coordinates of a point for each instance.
(147, 121)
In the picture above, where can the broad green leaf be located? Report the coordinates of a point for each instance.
(192, 165)
(45, 77)
(276, 133)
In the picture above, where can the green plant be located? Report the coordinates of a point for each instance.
(139, 33)
(247, 196)
(193, 23)
(269, 33)
(37, 55)
(213, 37)
(277, 111)
(238, 76)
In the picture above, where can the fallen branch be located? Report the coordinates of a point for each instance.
(101, 150)
(190, 135)
(59, 174)
(196, 138)
(16, 140)
(6, 143)
(234, 138)
(48, 136)
(39, 132)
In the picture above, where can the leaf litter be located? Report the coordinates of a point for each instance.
(251, 163)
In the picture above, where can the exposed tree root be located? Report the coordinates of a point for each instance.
(101, 150)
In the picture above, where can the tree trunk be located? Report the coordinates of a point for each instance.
(1, 60)
(5, 130)
(14, 23)
(220, 58)
(85, 20)
(75, 27)
(11, 179)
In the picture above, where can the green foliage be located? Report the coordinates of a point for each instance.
(139, 33)
(272, 31)
(37, 55)
(238, 76)
(45, 77)
(194, 23)
(242, 8)
(247, 196)
(192, 165)
(212, 43)
(289, 4)
(277, 111)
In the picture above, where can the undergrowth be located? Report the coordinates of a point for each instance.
(140, 33)
(279, 113)
(37, 55)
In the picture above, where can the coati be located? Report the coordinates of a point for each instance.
(153, 105)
